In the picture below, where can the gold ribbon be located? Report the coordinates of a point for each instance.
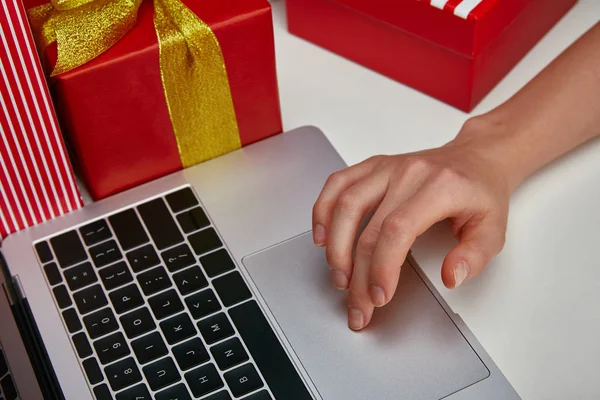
(192, 67)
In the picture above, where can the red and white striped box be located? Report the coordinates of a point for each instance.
(453, 50)
(36, 179)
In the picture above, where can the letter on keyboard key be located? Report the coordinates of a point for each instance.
(122, 374)
(165, 304)
(243, 380)
(82, 345)
(161, 373)
(126, 299)
(115, 275)
(100, 323)
(138, 392)
(92, 370)
(205, 241)
(203, 303)
(229, 353)
(111, 348)
(149, 347)
(137, 322)
(177, 392)
(105, 253)
(80, 276)
(95, 232)
(190, 354)
(266, 350)
(129, 229)
(204, 380)
(71, 320)
(143, 258)
(90, 299)
(160, 224)
(154, 281)
(215, 328)
(102, 392)
(178, 328)
(68, 249)
(232, 289)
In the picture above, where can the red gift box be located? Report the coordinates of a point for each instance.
(36, 179)
(453, 50)
(113, 108)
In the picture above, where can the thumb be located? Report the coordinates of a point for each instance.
(478, 245)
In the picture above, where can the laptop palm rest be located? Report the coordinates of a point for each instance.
(411, 349)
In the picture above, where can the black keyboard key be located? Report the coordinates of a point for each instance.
(160, 224)
(53, 274)
(90, 299)
(72, 320)
(143, 258)
(137, 322)
(62, 296)
(229, 353)
(205, 241)
(243, 380)
(177, 392)
(161, 373)
(100, 323)
(232, 289)
(68, 249)
(138, 392)
(204, 380)
(193, 220)
(115, 275)
(123, 374)
(178, 257)
(178, 328)
(80, 276)
(219, 396)
(111, 348)
(129, 229)
(215, 328)
(126, 298)
(182, 199)
(105, 253)
(203, 303)
(82, 345)
(217, 263)
(165, 304)
(95, 232)
(8, 387)
(190, 354)
(154, 281)
(102, 392)
(190, 280)
(262, 395)
(43, 252)
(149, 347)
(270, 357)
(92, 370)
(3, 364)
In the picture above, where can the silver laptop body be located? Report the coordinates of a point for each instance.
(259, 201)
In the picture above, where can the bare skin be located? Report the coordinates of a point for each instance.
(467, 182)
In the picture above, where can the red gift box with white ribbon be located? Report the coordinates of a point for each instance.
(453, 50)
(36, 179)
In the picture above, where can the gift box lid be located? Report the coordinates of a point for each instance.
(463, 26)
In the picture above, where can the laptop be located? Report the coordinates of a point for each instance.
(205, 284)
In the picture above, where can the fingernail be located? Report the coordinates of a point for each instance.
(377, 296)
(319, 235)
(461, 272)
(340, 280)
(356, 319)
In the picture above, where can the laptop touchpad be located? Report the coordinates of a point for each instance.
(411, 349)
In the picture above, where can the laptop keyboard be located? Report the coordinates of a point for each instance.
(156, 308)
(7, 386)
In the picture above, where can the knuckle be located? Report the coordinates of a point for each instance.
(397, 225)
(349, 202)
(417, 165)
(368, 241)
(337, 178)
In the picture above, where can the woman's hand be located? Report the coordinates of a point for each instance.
(408, 194)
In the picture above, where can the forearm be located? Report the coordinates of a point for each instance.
(555, 112)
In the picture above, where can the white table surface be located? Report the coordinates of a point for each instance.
(536, 308)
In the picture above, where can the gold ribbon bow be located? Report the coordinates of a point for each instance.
(192, 67)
